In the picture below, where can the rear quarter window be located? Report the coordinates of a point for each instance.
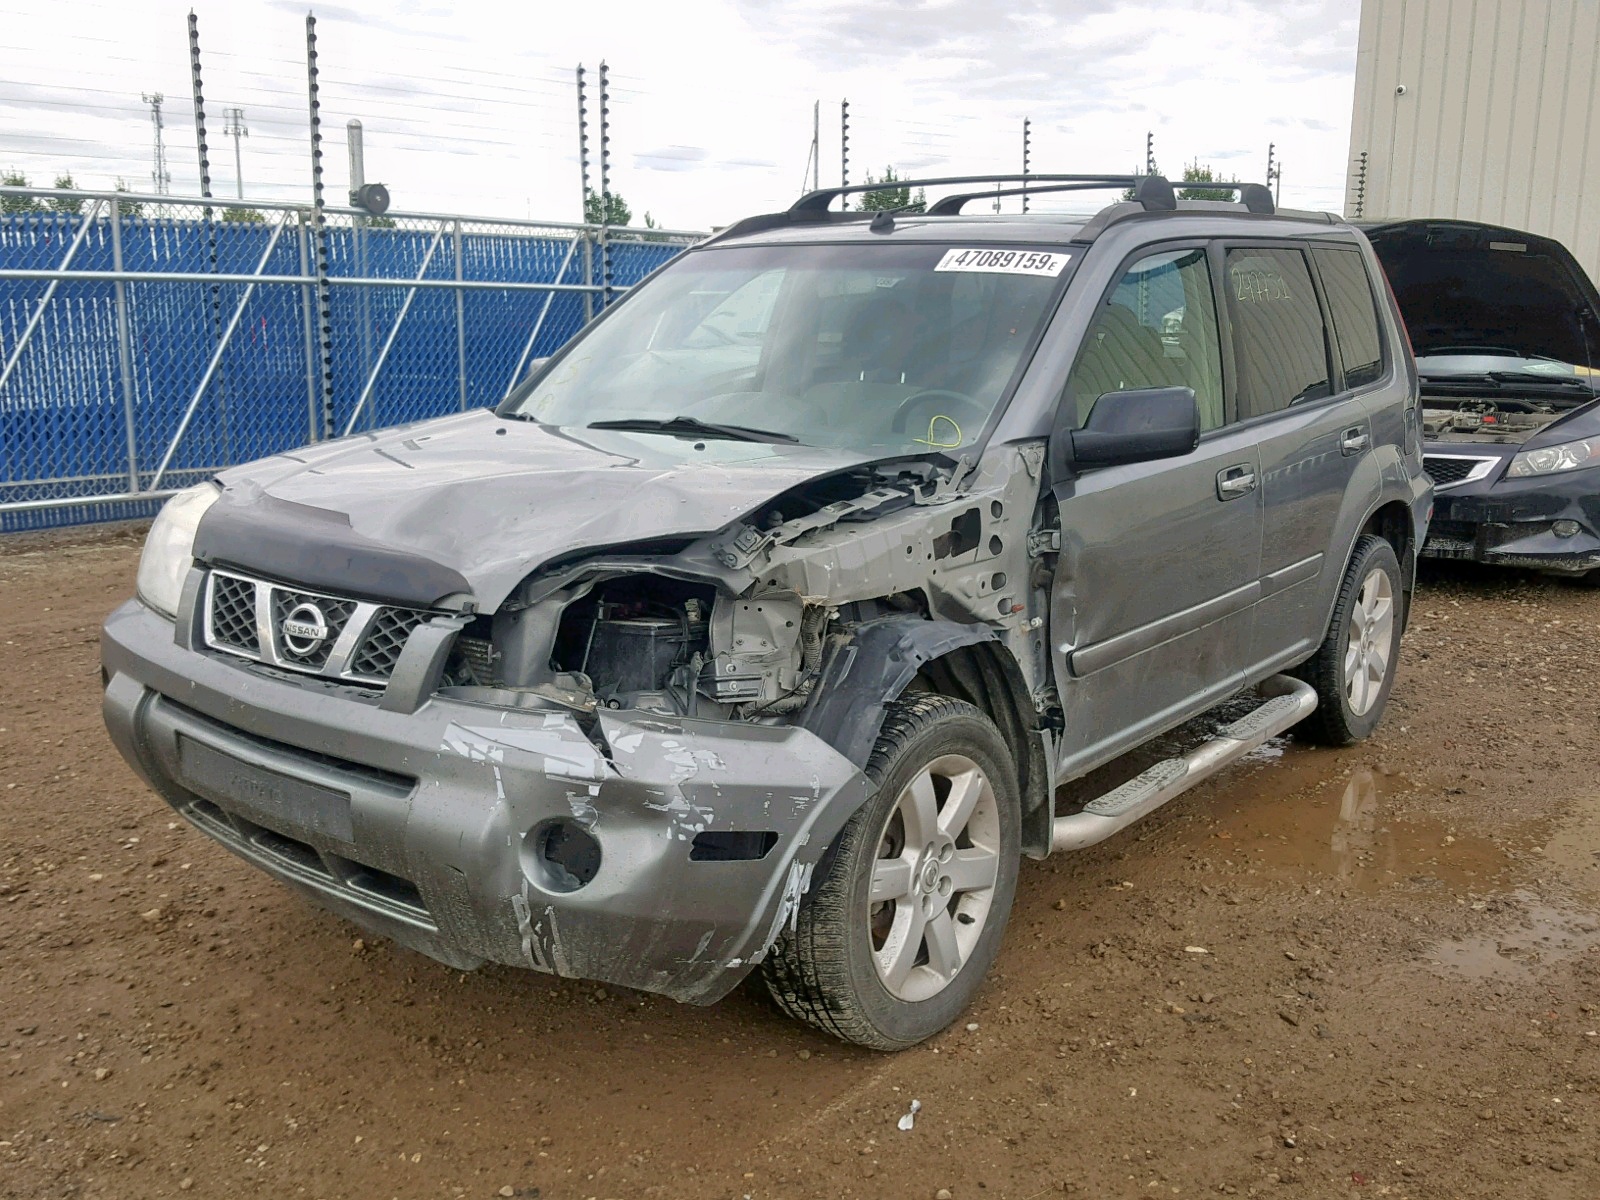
(1354, 309)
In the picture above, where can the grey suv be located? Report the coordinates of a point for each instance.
(758, 628)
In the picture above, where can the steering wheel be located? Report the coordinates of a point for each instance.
(902, 412)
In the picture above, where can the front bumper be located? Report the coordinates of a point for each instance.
(427, 826)
(1510, 522)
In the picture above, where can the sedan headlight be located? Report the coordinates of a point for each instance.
(169, 549)
(1547, 460)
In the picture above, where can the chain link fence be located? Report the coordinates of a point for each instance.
(147, 342)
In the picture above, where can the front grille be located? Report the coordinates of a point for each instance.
(386, 637)
(233, 613)
(336, 614)
(333, 636)
(1447, 470)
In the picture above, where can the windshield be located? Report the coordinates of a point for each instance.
(889, 349)
(1497, 369)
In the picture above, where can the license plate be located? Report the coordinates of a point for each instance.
(1437, 547)
(277, 800)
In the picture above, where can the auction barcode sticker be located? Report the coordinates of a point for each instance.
(1004, 262)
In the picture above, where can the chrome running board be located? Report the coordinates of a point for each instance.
(1288, 700)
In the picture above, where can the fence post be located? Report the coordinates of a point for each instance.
(312, 424)
(588, 277)
(124, 350)
(461, 329)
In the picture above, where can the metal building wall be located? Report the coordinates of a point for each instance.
(1499, 120)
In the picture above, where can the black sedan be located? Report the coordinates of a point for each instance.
(1507, 337)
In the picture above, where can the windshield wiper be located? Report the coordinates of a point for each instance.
(1556, 381)
(694, 427)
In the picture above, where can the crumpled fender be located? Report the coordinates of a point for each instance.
(861, 676)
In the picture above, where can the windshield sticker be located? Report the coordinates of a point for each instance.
(1004, 262)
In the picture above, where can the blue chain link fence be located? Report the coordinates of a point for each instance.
(143, 347)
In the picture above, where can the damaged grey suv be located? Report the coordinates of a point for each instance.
(756, 630)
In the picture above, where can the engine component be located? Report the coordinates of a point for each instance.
(636, 654)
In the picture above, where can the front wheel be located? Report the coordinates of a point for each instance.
(1353, 670)
(911, 900)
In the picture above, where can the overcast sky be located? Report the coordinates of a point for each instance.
(469, 106)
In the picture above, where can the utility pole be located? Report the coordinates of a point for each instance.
(816, 145)
(1027, 153)
(358, 157)
(844, 150)
(160, 177)
(234, 127)
(1150, 153)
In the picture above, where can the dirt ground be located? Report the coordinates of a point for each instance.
(1372, 972)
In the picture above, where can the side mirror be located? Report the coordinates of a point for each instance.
(1136, 426)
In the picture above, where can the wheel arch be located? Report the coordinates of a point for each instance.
(1392, 521)
(880, 660)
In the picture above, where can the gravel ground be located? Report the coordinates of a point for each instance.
(1371, 972)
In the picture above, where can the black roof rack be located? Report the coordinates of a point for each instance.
(1151, 193)
(818, 201)
(950, 206)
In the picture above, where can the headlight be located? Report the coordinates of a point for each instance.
(168, 551)
(1547, 460)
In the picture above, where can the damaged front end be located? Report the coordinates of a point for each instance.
(628, 769)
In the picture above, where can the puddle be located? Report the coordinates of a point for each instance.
(1543, 935)
(1276, 821)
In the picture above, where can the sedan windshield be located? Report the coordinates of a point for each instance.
(1495, 370)
(888, 349)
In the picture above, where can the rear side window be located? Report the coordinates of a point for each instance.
(1279, 345)
(1354, 309)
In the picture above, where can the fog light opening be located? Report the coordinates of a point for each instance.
(560, 856)
(1565, 529)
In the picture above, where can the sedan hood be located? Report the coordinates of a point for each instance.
(470, 504)
(1461, 285)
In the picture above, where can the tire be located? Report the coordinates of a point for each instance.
(849, 965)
(1350, 706)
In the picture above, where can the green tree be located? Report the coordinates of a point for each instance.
(62, 204)
(129, 208)
(1195, 172)
(242, 215)
(596, 210)
(891, 199)
(17, 204)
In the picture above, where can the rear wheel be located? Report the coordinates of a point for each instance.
(911, 900)
(1353, 670)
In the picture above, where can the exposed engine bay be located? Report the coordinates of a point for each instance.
(1502, 421)
(734, 626)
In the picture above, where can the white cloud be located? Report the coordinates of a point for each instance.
(470, 107)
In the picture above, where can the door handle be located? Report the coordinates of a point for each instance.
(1353, 441)
(1236, 481)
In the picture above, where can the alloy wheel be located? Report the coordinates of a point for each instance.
(1371, 642)
(934, 877)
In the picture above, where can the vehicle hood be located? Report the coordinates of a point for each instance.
(470, 504)
(1465, 284)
